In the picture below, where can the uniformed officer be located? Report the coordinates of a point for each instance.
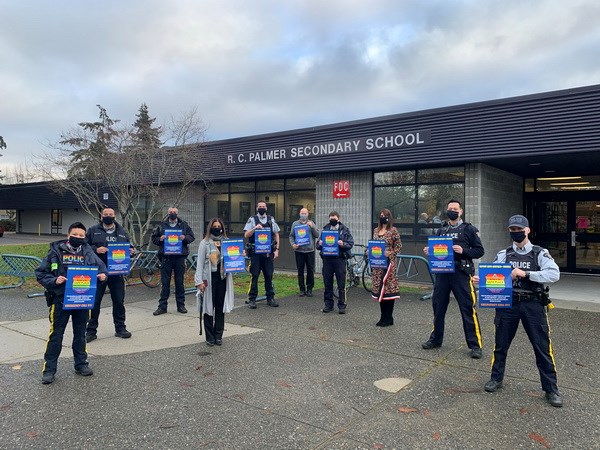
(52, 274)
(99, 236)
(466, 246)
(262, 262)
(532, 266)
(305, 254)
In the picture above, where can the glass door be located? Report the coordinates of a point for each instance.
(550, 229)
(585, 236)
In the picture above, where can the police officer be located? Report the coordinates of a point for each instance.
(172, 264)
(336, 265)
(262, 262)
(98, 236)
(52, 274)
(466, 246)
(532, 266)
(305, 254)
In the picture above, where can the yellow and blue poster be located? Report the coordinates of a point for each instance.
(302, 235)
(330, 243)
(233, 258)
(495, 285)
(118, 258)
(80, 289)
(172, 242)
(262, 241)
(376, 252)
(441, 255)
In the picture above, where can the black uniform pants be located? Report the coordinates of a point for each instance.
(261, 263)
(116, 285)
(535, 321)
(334, 267)
(176, 265)
(214, 324)
(461, 285)
(306, 260)
(59, 318)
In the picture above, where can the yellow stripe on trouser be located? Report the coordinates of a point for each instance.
(51, 318)
(475, 320)
(250, 283)
(550, 343)
(89, 318)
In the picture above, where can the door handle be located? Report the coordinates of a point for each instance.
(573, 239)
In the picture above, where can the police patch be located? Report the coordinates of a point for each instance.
(547, 255)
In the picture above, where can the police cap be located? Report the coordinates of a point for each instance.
(518, 221)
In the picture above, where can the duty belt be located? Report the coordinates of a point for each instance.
(525, 297)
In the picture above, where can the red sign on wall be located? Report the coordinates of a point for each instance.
(341, 189)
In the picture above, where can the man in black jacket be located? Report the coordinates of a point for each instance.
(52, 275)
(172, 263)
(99, 236)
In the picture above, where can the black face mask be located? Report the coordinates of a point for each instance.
(76, 242)
(108, 220)
(262, 211)
(333, 222)
(216, 231)
(452, 215)
(383, 220)
(173, 216)
(518, 236)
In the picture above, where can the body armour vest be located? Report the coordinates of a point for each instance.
(527, 262)
(268, 225)
(458, 236)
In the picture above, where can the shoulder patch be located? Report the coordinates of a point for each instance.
(547, 255)
(249, 220)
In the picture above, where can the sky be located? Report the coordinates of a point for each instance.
(261, 66)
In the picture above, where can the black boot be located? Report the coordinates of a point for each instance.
(387, 308)
(378, 324)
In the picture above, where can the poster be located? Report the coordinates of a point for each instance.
(495, 285)
(233, 258)
(262, 241)
(330, 243)
(441, 255)
(118, 258)
(80, 289)
(173, 244)
(302, 235)
(376, 252)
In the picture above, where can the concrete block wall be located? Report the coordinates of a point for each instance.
(191, 209)
(491, 197)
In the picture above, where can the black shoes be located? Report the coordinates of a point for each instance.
(84, 371)
(327, 310)
(383, 323)
(47, 378)
(342, 310)
(181, 309)
(302, 294)
(89, 337)
(309, 293)
(429, 345)
(159, 311)
(218, 341)
(476, 353)
(122, 334)
(273, 303)
(493, 386)
(252, 304)
(555, 399)
(210, 343)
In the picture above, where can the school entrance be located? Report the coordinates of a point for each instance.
(567, 222)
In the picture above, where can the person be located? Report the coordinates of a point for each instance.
(424, 220)
(466, 247)
(98, 236)
(52, 275)
(305, 254)
(532, 266)
(172, 264)
(262, 262)
(385, 284)
(215, 285)
(336, 265)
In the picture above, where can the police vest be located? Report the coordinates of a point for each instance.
(268, 225)
(458, 236)
(527, 262)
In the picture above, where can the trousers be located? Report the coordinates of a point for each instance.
(305, 260)
(116, 285)
(214, 322)
(334, 267)
(172, 265)
(261, 263)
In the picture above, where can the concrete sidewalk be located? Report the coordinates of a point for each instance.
(292, 378)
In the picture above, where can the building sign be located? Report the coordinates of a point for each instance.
(341, 189)
(302, 151)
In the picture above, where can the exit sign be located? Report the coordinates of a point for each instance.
(341, 189)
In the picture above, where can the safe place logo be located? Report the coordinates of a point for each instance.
(376, 251)
(172, 238)
(82, 283)
(495, 282)
(301, 232)
(440, 251)
(262, 238)
(118, 255)
(233, 251)
(330, 240)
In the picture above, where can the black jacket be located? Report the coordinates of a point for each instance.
(181, 225)
(96, 237)
(52, 267)
(345, 236)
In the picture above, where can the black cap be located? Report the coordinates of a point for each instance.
(518, 221)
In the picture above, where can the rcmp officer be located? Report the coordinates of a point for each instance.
(262, 262)
(466, 246)
(305, 254)
(98, 236)
(52, 274)
(532, 266)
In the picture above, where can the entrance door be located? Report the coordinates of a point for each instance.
(570, 229)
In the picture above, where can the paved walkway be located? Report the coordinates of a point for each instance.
(292, 378)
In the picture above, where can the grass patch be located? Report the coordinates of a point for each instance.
(39, 250)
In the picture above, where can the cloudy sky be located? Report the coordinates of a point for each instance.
(260, 66)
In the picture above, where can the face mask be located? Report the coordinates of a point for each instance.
(383, 220)
(76, 242)
(452, 215)
(262, 211)
(108, 220)
(303, 216)
(173, 216)
(216, 231)
(333, 222)
(517, 236)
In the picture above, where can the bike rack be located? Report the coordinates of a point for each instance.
(408, 263)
